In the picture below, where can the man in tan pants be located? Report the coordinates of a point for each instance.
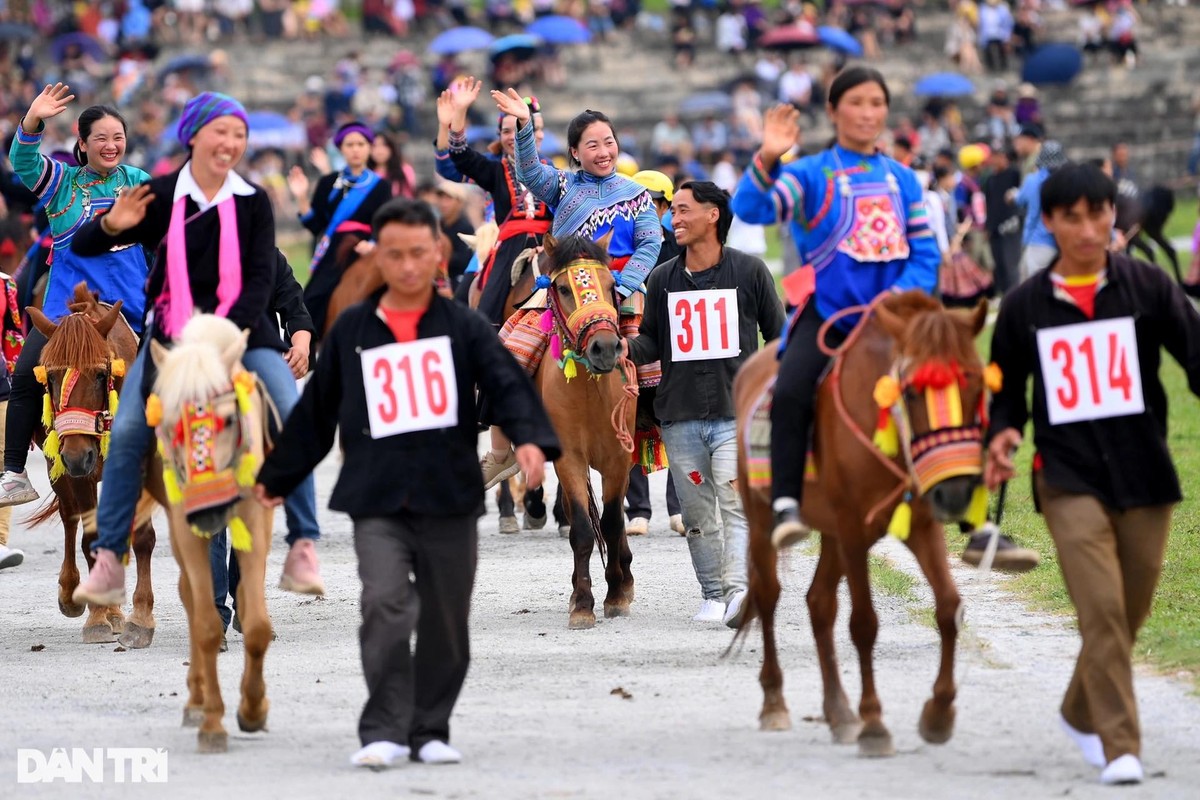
(1090, 332)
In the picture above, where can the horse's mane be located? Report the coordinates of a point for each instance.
(77, 343)
(933, 334)
(193, 369)
(575, 248)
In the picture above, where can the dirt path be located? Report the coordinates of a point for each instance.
(538, 717)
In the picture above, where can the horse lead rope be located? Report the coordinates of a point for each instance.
(631, 391)
(836, 353)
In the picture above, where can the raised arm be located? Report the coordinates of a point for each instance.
(543, 180)
(41, 175)
(766, 193)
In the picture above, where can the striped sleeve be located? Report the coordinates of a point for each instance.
(43, 176)
(546, 182)
(769, 197)
(647, 242)
(924, 257)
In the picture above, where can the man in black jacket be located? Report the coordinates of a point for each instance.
(704, 312)
(1090, 331)
(397, 376)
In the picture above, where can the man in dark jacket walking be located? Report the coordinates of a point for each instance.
(397, 376)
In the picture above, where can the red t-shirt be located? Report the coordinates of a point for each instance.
(1082, 291)
(403, 323)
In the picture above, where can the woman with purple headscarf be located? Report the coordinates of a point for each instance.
(342, 205)
(214, 234)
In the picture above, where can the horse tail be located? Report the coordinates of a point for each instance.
(45, 513)
(594, 521)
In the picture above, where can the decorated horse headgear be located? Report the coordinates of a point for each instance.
(191, 475)
(594, 311)
(952, 446)
(62, 420)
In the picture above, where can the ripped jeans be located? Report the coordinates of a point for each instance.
(703, 462)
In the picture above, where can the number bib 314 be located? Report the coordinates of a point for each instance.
(704, 324)
(1090, 370)
(410, 387)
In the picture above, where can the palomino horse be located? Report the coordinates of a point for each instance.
(585, 344)
(83, 368)
(921, 361)
(209, 415)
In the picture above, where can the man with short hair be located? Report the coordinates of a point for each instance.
(1090, 331)
(704, 312)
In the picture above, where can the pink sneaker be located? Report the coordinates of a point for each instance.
(301, 570)
(105, 584)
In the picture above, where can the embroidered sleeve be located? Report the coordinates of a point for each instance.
(546, 182)
(769, 197)
(41, 175)
(647, 241)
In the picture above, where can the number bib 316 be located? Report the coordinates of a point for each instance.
(704, 324)
(410, 387)
(1090, 370)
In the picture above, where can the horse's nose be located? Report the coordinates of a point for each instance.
(602, 355)
(81, 465)
(951, 497)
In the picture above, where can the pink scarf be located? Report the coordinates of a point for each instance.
(175, 305)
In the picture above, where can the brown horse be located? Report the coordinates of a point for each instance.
(209, 417)
(930, 355)
(83, 368)
(585, 322)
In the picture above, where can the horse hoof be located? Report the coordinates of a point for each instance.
(97, 634)
(775, 721)
(71, 609)
(616, 610)
(876, 746)
(509, 525)
(192, 717)
(846, 732)
(582, 621)
(116, 622)
(215, 742)
(248, 725)
(535, 523)
(936, 727)
(135, 636)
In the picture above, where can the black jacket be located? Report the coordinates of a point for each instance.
(287, 301)
(704, 389)
(256, 236)
(1122, 461)
(433, 473)
(319, 217)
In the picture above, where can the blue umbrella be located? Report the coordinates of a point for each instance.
(840, 40)
(705, 103)
(944, 84)
(186, 63)
(272, 129)
(1052, 63)
(59, 47)
(517, 44)
(459, 39)
(557, 29)
(13, 30)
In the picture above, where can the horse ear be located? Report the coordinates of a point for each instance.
(549, 244)
(603, 241)
(979, 316)
(82, 295)
(233, 353)
(468, 239)
(109, 319)
(157, 352)
(44, 326)
(892, 323)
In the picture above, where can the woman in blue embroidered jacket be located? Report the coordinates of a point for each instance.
(859, 220)
(72, 196)
(593, 201)
(342, 204)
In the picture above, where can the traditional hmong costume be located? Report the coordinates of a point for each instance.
(860, 225)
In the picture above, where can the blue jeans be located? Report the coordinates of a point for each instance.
(225, 576)
(1193, 162)
(132, 438)
(703, 458)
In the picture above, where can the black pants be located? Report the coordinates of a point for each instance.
(499, 283)
(24, 403)
(795, 399)
(637, 496)
(1006, 259)
(410, 695)
(995, 56)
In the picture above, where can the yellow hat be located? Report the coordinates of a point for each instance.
(973, 155)
(626, 165)
(660, 185)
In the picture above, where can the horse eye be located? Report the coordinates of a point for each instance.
(565, 291)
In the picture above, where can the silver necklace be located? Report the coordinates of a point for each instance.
(843, 180)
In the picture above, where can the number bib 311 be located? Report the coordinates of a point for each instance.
(1090, 370)
(410, 387)
(704, 324)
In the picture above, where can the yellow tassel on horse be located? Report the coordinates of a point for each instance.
(50, 448)
(247, 470)
(174, 495)
(47, 412)
(113, 401)
(977, 511)
(901, 523)
(239, 535)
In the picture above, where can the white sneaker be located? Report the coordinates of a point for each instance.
(733, 611)
(436, 751)
(677, 524)
(16, 489)
(638, 526)
(378, 755)
(710, 611)
(10, 557)
(1088, 743)
(1122, 769)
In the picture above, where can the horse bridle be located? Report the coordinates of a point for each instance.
(593, 311)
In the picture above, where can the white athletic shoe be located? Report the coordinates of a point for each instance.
(1088, 743)
(436, 751)
(710, 611)
(379, 755)
(1122, 769)
(10, 557)
(638, 526)
(733, 611)
(677, 524)
(16, 489)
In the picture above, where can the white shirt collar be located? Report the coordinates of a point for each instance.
(186, 186)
